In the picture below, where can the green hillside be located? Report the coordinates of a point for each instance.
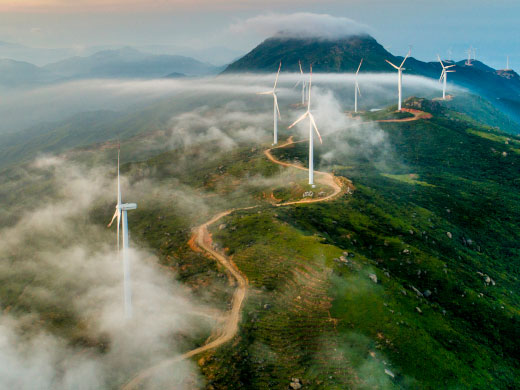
(408, 282)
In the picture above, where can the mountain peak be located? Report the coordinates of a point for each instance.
(326, 55)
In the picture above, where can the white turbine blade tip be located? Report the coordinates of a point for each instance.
(396, 67)
(299, 120)
(315, 127)
(113, 218)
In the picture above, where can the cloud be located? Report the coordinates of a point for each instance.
(58, 264)
(299, 25)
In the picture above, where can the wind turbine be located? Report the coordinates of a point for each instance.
(356, 89)
(400, 79)
(469, 51)
(302, 81)
(122, 219)
(444, 76)
(507, 64)
(276, 109)
(312, 124)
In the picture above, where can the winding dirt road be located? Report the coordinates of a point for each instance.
(417, 114)
(201, 240)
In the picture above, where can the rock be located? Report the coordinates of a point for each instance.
(222, 226)
(449, 235)
(427, 293)
(406, 251)
(373, 277)
(411, 232)
(418, 310)
(308, 194)
(389, 373)
(295, 384)
(419, 294)
(343, 259)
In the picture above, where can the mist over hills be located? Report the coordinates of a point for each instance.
(118, 63)
(128, 63)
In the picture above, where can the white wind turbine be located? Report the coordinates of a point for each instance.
(302, 82)
(276, 109)
(312, 124)
(444, 76)
(400, 79)
(122, 219)
(356, 90)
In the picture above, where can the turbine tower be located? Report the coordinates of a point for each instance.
(400, 79)
(356, 89)
(444, 76)
(276, 109)
(312, 125)
(302, 82)
(122, 219)
(469, 52)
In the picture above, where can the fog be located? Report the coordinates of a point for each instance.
(54, 260)
(23, 109)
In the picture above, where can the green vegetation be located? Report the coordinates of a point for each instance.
(386, 114)
(410, 282)
(444, 312)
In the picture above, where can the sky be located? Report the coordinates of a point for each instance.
(431, 27)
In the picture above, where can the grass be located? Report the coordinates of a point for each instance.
(408, 179)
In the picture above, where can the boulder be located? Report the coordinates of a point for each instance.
(373, 277)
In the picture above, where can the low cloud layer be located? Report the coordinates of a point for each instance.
(301, 25)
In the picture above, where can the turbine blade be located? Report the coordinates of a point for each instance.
(439, 58)
(450, 66)
(443, 74)
(405, 58)
(118, 178)
(359, 91)
(392, 65)
(359, 67)
(310, 86)
(114, 217)
(315, 127)
(265, 93)
(276, 104)
(300, 65)
(299, 119)
(277, 74)
(118, 229)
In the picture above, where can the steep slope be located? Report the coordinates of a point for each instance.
(342, 55)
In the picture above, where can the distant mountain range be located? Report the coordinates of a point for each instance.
(120, 63)
(129, 63)
(502, 87)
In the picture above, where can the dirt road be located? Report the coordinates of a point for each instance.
(201, 239)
